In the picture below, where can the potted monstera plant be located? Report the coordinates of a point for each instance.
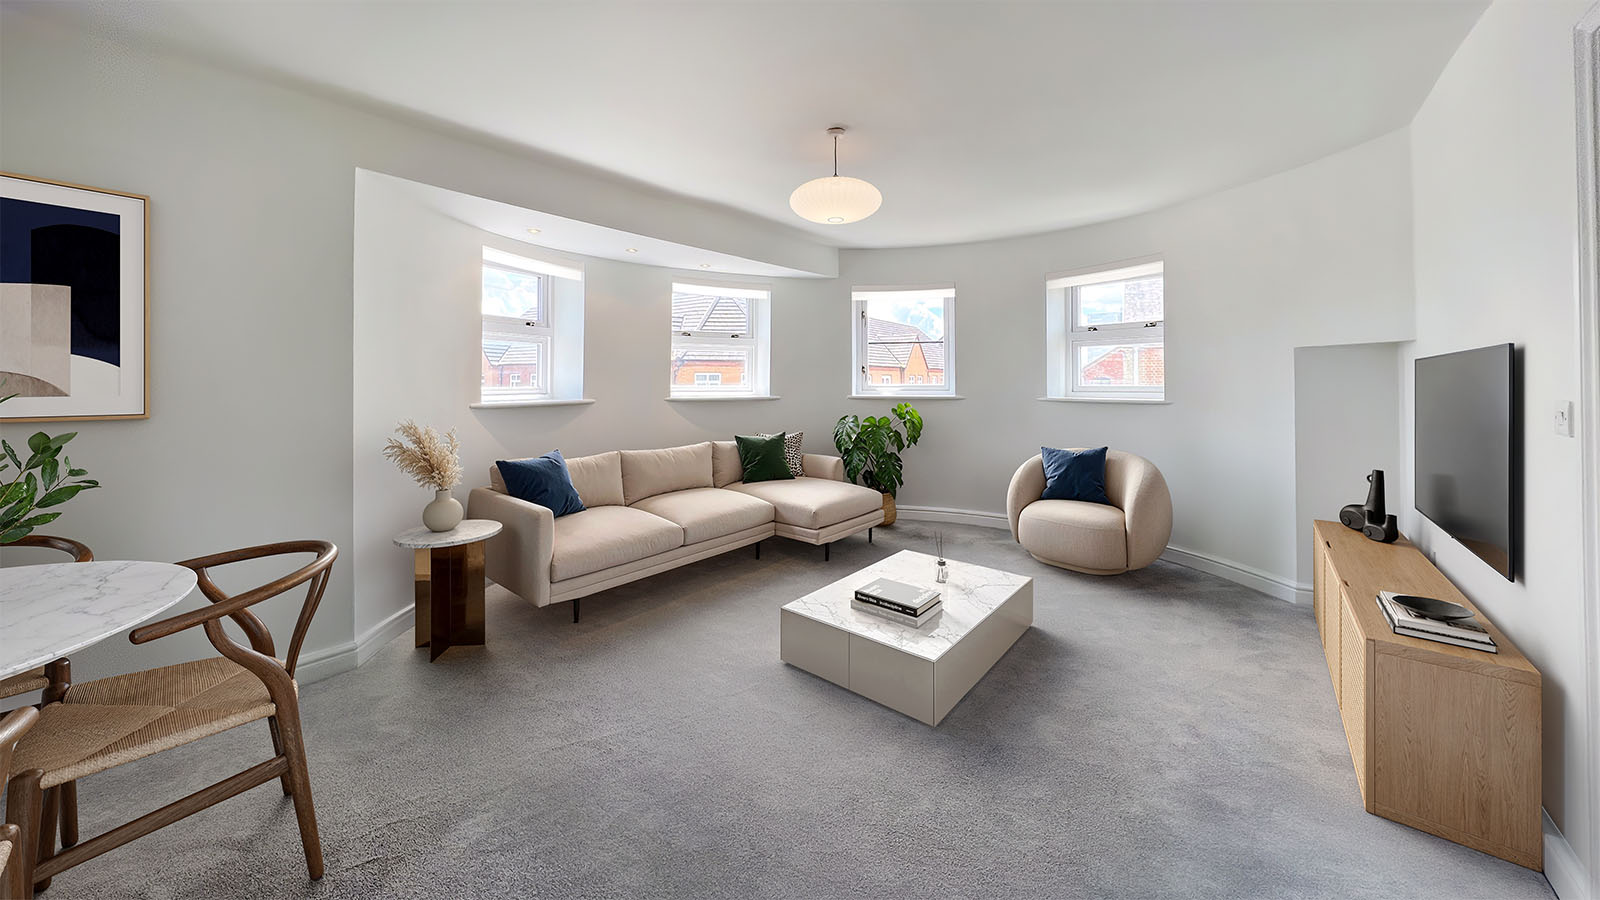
(871, 448)
(39, 481)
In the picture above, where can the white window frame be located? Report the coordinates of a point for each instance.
(1065, 337)
(861, 376)
(553, 339)
(756, 343)
(540, 331)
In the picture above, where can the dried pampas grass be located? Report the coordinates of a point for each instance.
(426, 456)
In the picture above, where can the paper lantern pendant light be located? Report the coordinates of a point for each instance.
(836, 199)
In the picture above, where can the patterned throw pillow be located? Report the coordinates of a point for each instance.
(791, 450)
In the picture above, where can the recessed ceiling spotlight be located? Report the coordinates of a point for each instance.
(837, 199)
(533, 231)
(631, 250)
(705, 265)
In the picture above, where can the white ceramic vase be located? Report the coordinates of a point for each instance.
(443, 514)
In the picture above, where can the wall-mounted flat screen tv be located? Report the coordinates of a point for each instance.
(1466, 449)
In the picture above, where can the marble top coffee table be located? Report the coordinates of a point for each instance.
(922, 672)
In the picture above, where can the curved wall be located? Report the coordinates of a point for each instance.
(1318, 255)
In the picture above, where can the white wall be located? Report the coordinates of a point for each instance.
(1346, 423)
(251, 215)
(1317, 255)
(1495, 200)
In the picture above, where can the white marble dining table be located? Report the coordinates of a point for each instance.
(50, 611)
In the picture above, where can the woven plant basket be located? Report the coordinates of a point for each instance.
(888, 509)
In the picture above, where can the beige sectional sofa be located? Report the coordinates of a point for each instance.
(648, 511)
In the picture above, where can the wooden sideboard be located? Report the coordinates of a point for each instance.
(1444, 738)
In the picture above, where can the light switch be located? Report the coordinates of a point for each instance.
(1564, 419)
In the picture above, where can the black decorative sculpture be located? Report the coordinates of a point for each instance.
(1371, 518)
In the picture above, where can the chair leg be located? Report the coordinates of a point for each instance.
(869, 535)
(277, 748)
(69, 815)
(758, 549)
(827, 551)
(574, 612)
(24, 808)
(299, 776)
(50, 808)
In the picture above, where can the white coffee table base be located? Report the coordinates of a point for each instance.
(924, 689)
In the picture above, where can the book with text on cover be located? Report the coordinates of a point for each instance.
(897, 595)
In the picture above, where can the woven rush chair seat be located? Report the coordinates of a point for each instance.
(113, 721)
(23, 682)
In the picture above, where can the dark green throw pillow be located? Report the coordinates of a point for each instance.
(762, 457)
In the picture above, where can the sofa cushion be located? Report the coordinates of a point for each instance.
(597, 478)
(814, 502)
(725, 468)
(646, 473)
(792, 452)
(706, 513)
(543, 481)
(606, 536)
(761, 457)
(1087, 535)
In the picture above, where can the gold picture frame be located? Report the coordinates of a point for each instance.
(30, 200)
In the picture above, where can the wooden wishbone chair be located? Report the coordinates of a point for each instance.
(15, 724)
(53, 678)
(112, 721)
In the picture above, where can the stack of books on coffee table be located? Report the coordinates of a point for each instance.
(897, 601)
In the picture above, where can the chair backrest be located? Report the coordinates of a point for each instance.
(78, 550)
(15, 724)
(314, 574)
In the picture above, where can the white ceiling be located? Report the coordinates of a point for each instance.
(583, 238)
(976, 119)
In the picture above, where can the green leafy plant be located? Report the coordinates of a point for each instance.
(44, 480)
(871, 447)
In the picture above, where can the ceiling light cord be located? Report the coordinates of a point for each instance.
(836, 156)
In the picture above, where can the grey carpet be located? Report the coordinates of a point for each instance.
(1161, 734)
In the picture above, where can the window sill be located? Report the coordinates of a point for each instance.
(1145, 401)
(517, 404)
(906, 397)
(726, 398)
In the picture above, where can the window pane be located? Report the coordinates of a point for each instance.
(1121, 365)
(699, 313)
(513, 366)
(509, 293)
(1133, 300)
(709, 368)
(905, 337)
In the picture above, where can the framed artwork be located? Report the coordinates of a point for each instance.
(74, 301)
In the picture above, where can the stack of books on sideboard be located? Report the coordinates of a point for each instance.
(897, 601)
(1464, 632)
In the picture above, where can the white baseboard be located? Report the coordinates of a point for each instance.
(1562, 868)
(330, 661)
(954, 516)
(1239, 573)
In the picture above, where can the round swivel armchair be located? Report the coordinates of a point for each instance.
(1094, 538)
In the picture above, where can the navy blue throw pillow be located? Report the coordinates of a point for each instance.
(1075, 475)
(544, 481)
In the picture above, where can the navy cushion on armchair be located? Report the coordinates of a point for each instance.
(1075, 475)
